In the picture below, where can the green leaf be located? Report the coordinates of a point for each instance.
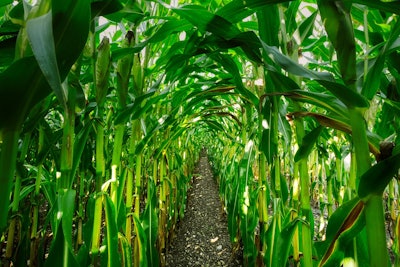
(250, 45)
(131, 12)
(126, 250)
(40, 33)
(168, 28)
(308, 143)
(235, 11)
(104, 7)
(267, 146)
(229, 64)
(293, 67)
(120, 53)
(177, 132)
(307, 26)
(284, 243)
(272, 236)
(67, 209)
(7, 51)
(142, 241)
(61, 251)
(5, 2)
(113, 258)
(339, 27)
(56, 255)
(207, 21)
(375, 180)
(149, 222)
(135, 108)
(82, 256)
(373, 80)
(324, 100)
(341, 124)
(344, 224)
(22, 86)
(71, 20)
(162, 123)
(387, 6)
(349, 97)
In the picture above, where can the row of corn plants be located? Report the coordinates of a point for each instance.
(95, 158)
(306, 141)
(105, 106)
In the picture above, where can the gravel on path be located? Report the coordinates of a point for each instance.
(202, 238)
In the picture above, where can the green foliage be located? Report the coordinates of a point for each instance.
(376, 179)
(113, 256)
(344, 225)
(150, 225)
(105, 106)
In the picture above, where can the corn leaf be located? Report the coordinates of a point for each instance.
(307, 26)
(56, 254)
(149, 221)
(15, 99)
(169, 27)
(23, 84)
(71, 21)
(67, 207)
(284, 243)
(61, 251)
(126, 250)
(131, 12)
(138, 107)
(326, 101)
(207, 21)
(40, 33)
(111, 233)
(339, 27)
(349, 97)
(386, 6)
(373, 78)
(344, 224)
(5, 2)
(229, 64)
(82, 257)
(308, 143)
(235, 11)
(7, 51)
(341, 124)
(292, 67)
(104, 7)
(375, 180)
(271, 238)
(141, 238)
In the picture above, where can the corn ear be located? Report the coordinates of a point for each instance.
(102, 70)
(124, 70)
(339, 27)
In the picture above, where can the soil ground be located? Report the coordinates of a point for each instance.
(202, 238)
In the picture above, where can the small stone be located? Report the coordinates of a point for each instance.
(213, 240)
(219, 247)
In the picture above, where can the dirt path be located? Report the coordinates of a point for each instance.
(202, 238)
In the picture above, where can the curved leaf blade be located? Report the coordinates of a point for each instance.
(344, 224)
(112, 233)
(307, 144)
(40, 33)
(375, 180)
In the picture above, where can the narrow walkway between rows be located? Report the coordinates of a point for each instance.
(202, 239)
